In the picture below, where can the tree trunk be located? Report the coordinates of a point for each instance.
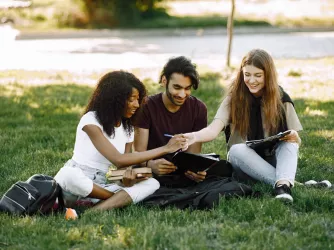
(230, 33)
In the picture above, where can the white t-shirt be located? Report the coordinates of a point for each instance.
(85, 152)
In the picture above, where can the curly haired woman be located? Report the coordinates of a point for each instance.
(104, 136)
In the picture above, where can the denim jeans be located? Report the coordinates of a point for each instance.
(246, 161)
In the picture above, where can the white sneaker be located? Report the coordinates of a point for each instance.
(283, 192)
(320, 184)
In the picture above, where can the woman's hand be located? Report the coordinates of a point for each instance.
(177, 142)
(191, 138)
(130, 177)
(293, 137)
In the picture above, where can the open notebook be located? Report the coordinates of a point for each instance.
(194, 162)
(266, 143)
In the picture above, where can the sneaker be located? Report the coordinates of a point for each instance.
(283, 192)
(71, 214)
(320, 184)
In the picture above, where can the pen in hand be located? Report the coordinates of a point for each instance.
(171, 136)
(168, 135)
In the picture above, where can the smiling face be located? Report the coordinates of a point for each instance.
(178, 89)
(254, 79)
(132, 103)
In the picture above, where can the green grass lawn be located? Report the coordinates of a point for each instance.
(37, 135)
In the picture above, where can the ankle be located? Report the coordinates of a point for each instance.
(283, 182)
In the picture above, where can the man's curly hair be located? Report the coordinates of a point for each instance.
(109, 100)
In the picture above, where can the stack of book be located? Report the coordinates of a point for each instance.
(194, 162)
(113, 175)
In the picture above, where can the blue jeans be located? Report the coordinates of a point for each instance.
(246, 161)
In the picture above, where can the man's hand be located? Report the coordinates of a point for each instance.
(161, 166)
(130, 177)
(197, 177)
(292, 137)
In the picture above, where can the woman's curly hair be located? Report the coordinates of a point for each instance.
(109, 100)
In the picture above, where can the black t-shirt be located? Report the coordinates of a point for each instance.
(153, 115)
(192, 116)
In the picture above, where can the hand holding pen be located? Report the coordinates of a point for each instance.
(177, 142)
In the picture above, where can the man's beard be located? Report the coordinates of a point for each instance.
(170, 97)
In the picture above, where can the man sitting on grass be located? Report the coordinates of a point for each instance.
(171, 112)
(174, 111)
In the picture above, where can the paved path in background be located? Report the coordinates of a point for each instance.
(131, 33)
(127, 50)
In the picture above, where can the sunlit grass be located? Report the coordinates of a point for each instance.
(38, 123)
(315, 80)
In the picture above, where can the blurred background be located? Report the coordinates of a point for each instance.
(85, 37)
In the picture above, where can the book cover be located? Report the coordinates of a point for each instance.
(266, 143)
(194, 162)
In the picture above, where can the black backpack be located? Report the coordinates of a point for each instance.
(36, 195)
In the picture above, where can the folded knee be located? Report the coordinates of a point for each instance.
(66, 178)
(237, 150)
(291, 146)
(141, 190)
(153, 184)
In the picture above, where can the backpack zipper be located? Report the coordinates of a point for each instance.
(15, 202)
(30, 196)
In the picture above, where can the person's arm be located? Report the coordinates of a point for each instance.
(293, 124)
(219, 123)
(102, 144)
(141, 139)
(206, 134)
(159, 166)
(128, 147)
